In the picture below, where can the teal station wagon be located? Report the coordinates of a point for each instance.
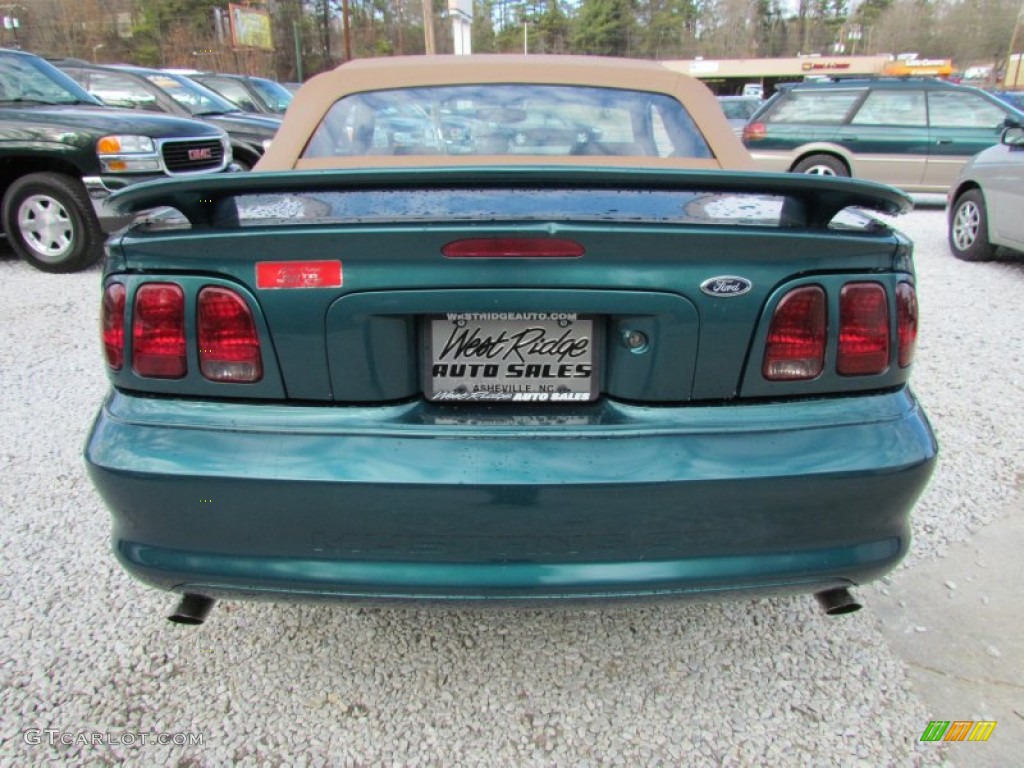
(913, 133)
(615, 364)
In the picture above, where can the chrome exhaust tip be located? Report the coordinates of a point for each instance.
(836, 602)
(192, 610)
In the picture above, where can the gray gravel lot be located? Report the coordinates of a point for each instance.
(88, 656)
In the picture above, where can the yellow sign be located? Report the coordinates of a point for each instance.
(933, 67)
(250, 27)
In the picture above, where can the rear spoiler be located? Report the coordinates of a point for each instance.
(813, 200)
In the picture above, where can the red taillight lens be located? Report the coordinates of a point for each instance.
(158, 331)
(754, 131)
(229, 347)
(863, 330)
(795, 347)
(906, 322)
(112, 319)
(513, 247)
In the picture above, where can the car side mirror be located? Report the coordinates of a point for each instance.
(1013, 136)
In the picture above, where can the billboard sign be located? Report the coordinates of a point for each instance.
(250, 27)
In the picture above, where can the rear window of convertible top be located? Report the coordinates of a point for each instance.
(508, 119)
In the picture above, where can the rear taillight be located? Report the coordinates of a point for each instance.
(906, 322)
(795, 348)
(863, 330)
(229, 347)
(754, 131)
(112, 319)
(158, 331)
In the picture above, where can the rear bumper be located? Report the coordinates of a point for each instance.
(422, 502)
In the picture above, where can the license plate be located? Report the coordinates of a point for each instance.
(526, 357)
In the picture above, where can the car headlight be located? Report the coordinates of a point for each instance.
(121, 145)
(120, 154)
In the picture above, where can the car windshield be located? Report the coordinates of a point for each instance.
(508, 119)
(197, 99)
(31, 80)
(276, 95)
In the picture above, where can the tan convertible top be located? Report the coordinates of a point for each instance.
(320, 93)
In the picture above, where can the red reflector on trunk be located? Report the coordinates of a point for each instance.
(112, 319)
(795, 347)
(298, 274)
(863, 330)
(158, 331)
(906, 322)
(513, 247)
(229, 347)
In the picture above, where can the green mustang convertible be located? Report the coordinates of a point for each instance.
(421, 360)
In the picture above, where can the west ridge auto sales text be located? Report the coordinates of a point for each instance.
(513, 370)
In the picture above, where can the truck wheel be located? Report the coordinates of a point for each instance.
(50, 222)
(968, 228)
(821, 165)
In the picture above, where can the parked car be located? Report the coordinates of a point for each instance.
(738, 110)
(365, 374)
(547, 130)
(62, 153)
(155, 90)
(1014, 98)
(986, 202)
(913, 132)
(250, 93)
(402, 126)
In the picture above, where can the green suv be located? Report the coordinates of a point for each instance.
(62, 153)
(913, 133)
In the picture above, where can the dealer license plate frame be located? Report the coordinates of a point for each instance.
(546, 347)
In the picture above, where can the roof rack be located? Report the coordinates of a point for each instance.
(874, 79)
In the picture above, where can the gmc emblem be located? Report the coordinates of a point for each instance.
(200, 154)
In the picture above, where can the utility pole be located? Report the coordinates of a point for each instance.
(428, 28)
(348, 32)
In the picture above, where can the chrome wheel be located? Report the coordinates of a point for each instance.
(821, 165)
(51, 222)
(966, 225)
(967, 229)
(820, 170)
(46, 227)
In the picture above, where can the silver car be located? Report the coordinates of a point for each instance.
(738, 110)
(987, 201)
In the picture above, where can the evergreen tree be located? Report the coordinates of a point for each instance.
(603, 27)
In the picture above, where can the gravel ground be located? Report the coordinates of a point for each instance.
(90, 668)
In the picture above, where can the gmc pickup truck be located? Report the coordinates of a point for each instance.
(63, 153)
(438, 363)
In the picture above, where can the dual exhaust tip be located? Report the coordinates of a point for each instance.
(193, 609)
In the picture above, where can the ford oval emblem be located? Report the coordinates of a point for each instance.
(726, 285)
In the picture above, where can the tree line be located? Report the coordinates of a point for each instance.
(310, 35)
